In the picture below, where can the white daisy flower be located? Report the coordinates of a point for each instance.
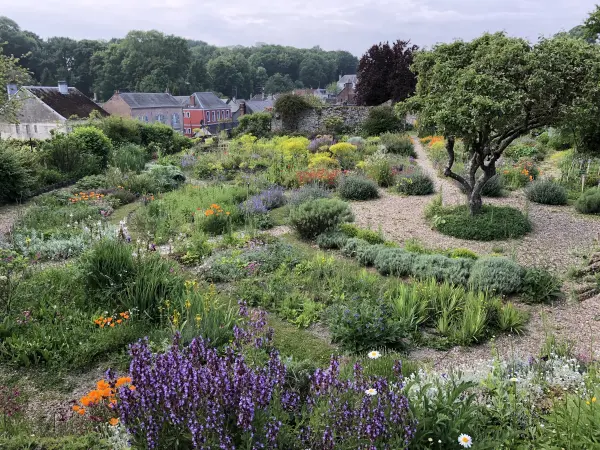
(465, 440)
(371, 392)
(374, 354)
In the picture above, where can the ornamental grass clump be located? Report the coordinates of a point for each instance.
(417, 183)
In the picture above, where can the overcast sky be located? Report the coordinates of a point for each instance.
(352, 25)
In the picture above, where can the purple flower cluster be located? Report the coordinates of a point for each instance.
(239, 398)
(270, 198)
(188, 161)
(354, 419)
(319, 142)
(218, 399)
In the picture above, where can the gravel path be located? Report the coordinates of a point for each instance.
(558, 239)
(8, 216)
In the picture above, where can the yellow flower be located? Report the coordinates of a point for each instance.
(593, 399)
(188, 304)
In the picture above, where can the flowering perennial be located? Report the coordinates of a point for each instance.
(111, 321)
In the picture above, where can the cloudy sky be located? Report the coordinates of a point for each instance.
(351, 25)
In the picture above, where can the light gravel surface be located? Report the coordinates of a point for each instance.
(558, 239)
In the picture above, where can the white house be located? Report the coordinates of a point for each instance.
(344, 80)
(43, 109)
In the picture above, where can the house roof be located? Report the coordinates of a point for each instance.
(182, 99)
(208, 100)
(67, 105)
(149, 100)
(256, 106)
(348, 79)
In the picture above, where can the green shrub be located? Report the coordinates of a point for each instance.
(129, 157)
(415, 184)
(167, 178)
(121, 130)
(494, 187)
(332, 240)
(123, 196)
(351, 246)
(546, 192)
(589, 202)
(16, 180)
(366, 254)
(398, 144)
(493, 223)
(381, 119)
(452, 270)
(93, 141)
(496, 275)
(352, 187)
(510, 319)
(257, 124)
(394, 261)
(318, 216)
(65, 154)
(379, 168)
(540, 286)
(90, 182)
(462, 253)
(363, 325)
(160, 137)
(306, 193)
(372, 237)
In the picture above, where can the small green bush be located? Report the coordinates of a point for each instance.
(257, 124)
(381, 119)
(16, 180)
(121, 130)
(380, 170)
(546, 192)
(455, 271)
(415, 184)
(398, 144)
(318, 216)
(589, 202)
(510, 319)
(462, 253)
(394, 261)
(65, 153)
(352, 245)
(94, 141)
(332, 240)
(366, 254)
(306, 193)
(540, 286)
(372, 237)
(493, 223)
(123, 196)
(496, 275)
(129, 157)
(90, 182)
(352, 187)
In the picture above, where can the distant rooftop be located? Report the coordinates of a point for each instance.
(73, 103)
(182, 99)
(149, 100)
(208, 100)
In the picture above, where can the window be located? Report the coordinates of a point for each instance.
(219, 115)
(227, 112)
(187, 114)
(35, 128)
(27, 130)
(145, 118)
(175, 119)
(188, 131)
(160, 118)
(214, 116)
(141, 118)
(17, 129)
(207, 116)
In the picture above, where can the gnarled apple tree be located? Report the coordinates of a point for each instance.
(492, 90)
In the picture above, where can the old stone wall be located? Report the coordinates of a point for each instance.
(313, 120)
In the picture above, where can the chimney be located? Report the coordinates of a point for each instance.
(242, 108)
(11, 88)
(63, 88)
(95, 97)
(340, 78)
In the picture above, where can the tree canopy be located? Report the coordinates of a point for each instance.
(10, 71)
(154, 61)
(494, 89)
(384, 73)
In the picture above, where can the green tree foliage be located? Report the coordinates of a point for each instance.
(279, 84)
(10, 71)
(384, 73)
(290, 107)
(258, 124)
(494, 89)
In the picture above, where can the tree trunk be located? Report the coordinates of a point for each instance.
(475, 202)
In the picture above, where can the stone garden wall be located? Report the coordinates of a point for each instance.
(314, 119)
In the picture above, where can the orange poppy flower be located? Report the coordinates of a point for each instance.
(113, 421)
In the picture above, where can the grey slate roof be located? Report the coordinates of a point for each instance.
(149, 100)
(347, 79)
(182, 99)
(208, 100)
(256, 106)
(67, 105)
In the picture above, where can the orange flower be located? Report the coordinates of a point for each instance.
(81, 412)
(76, 407)
(132, 388)
(215, 206)
(113, 421)
(121, 381)
(119, 321)
(102, 384)
(530, 178)
(112, 324)
(208, 212)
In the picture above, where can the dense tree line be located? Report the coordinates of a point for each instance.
(151, 61)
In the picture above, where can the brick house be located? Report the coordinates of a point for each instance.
(347, 95)
(46, 109)
(147, 107)
(206, 111)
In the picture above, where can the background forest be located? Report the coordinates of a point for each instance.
(150, 61)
